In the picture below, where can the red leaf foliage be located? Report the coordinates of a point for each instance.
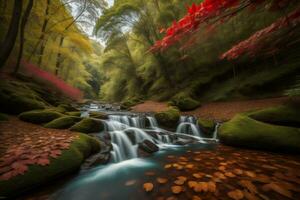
(255, 43)
(59, 84)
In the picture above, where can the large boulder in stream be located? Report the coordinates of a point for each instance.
(244, 131)
(88, 125)
(62, 122)
(148, 147)
(40, 116)
(68, 162)
(168, 119)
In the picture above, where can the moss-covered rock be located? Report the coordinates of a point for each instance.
(88, 125)
(126, 104)
(69, 161)
(207, 126)
(74, 113)
(3, 117)
(63, 122)
(169, 118)
(246, 132)
(281, 115)
(98, 115)
(67, 107)
(39, 116)
(184, 103)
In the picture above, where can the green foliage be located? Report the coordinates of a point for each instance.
(39, 116)
(67, 163)
(74, 113)
(62, 122)
(243, 131)
(169, 118)
(88, 125)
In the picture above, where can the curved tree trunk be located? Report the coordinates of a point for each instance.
(22, 32)
(12, 33)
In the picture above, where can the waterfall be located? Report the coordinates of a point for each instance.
(188, 128)
(215, 133)
(188, 125)
(153, 122)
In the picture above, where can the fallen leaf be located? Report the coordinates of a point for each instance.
(248, 185)
(195, 197)
(230, 174)
(176, 189)
(161, 180)
(148, 187)
(250, 196)
(236, 194)
(192, 184)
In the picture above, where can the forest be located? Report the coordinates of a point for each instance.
(150, 99)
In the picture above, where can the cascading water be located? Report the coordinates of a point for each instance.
(188, 125)
(153, 122)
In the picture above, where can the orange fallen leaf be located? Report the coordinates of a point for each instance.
(238, 171)
(195, 197)
(167, 166)
(248, 185)
(161, 180)
(230, 174)
(250, 196)
(236, 194)
(176, 189)
(211, 186)
(250, 174)
(192, 184)
(197, 175)
(148, 187)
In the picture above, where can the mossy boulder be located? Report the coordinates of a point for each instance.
(98, 115)
(69, 162)
(126, 104)
(67, 107)
(281, 115)
(88, 125)
(246, 132)
(74, 113)
(39, 116)
(206, 125)
(62, 122)
(184, 103)
(3, 117)
(169, 118)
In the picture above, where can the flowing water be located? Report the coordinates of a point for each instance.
(126, 132)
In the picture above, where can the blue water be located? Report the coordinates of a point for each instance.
(109, 182)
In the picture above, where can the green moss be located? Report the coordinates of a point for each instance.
(246, 132)
(98, 115)
(280, 115)
(39, 116)
(62, 122)
(168, 118)
(184, 103)
(68, 162)
(206, 125)
(67, 107)
(88, 125)
(130, 102)
(3, 117)
(74, 113)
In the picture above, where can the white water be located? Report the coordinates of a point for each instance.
(127, 131)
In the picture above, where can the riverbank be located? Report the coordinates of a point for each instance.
(220, 111)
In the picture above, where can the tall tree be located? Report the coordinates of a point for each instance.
(12, 33)
(22, 31)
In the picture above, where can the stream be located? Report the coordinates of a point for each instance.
(125, 172)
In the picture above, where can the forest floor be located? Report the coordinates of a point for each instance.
(220, 111)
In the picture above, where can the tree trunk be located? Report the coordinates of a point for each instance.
(58, 59)
(22, 31)
(12, 33)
